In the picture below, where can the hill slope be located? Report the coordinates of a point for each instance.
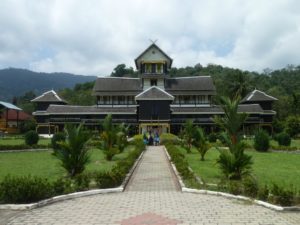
(15, 82)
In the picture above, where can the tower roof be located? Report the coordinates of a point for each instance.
(151, 51)
(49, 96)
(258, 96)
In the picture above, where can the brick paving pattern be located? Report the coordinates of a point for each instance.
(152, 198)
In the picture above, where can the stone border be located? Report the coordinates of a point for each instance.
(73, 195)
(226, 195)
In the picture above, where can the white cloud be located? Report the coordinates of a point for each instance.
(92, 37)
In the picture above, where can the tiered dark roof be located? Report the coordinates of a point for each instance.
(49, 96)
(79, 110)
(258, 96)
(187, 85)
(154, 93)
(246, 108)
(117, 86)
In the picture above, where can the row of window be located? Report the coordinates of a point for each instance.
(116, 100)
(129, 100)
(192, 99)
(157, 68)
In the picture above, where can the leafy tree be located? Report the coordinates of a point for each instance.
(188, 134)
(121, 71)
(200, 142)
(234, 163)
(73, 152)
(293, 125)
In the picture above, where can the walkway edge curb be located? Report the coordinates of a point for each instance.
(75, 194)
(60, 198)
(226, 195)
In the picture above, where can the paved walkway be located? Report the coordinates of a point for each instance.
(152, 198)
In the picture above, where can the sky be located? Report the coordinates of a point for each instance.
(91, 37)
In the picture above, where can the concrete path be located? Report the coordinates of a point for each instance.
(152, 198)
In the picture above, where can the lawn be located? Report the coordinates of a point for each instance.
(21, 141)
(268, 168)
(44, 164)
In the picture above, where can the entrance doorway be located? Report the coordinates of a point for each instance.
(159, 128)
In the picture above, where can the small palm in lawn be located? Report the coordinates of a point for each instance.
(188, 134)
(73, 152)
(233, 163)
(200, 142)
(232, 121)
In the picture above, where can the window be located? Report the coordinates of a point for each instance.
(153, 82)
(159, 68)
(148, 68)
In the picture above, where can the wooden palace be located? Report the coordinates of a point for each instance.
(154, 100)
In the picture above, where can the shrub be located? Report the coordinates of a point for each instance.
(263, 193)
(283, 139)
(31, 138)
(212, 137)
(169, 138)
(293, 125)
(281, 196)
(63, 186)
(25, 189)
(180, 162)
(58, 137)
(235, 187)
(82, 181)
(261, 141)
(110, 153)
(250, 187)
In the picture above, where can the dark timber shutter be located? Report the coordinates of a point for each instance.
(143, 68)
(153, 68)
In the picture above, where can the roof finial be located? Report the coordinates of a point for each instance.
(153, 42)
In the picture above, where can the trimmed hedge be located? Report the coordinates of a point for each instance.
(180, 162)
(22, 147)
(25, 189)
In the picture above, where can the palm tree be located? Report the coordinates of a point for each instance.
(200, 142)
(233, 163)
(73, 152)
(188, 134)
(232, 121)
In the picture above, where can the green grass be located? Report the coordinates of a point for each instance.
(20, 141)
(272, 167)
(44, 164)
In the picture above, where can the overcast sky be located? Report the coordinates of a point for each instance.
(93, 36)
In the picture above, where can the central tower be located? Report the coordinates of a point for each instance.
(153, 65)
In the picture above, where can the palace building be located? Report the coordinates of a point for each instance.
(154, 100)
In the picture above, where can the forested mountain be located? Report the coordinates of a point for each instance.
(16, 82)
